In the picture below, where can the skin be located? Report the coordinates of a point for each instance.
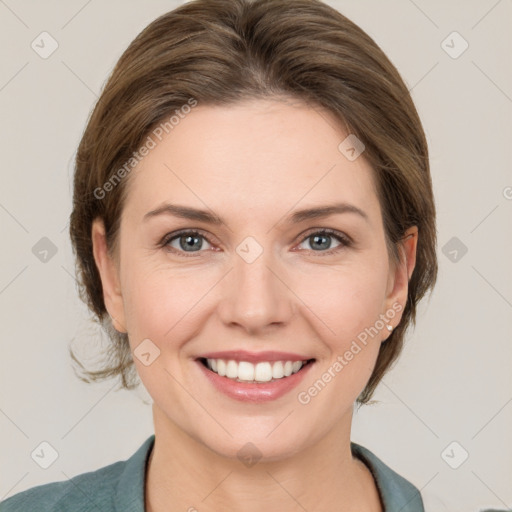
(253, 164)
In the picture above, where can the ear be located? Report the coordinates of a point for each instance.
(109, 274)
(400, 274)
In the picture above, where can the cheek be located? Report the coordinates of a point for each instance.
(345, 309)
(160, 302)
(168, 305)
(345, 301)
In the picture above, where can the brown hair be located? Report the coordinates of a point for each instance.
(220, 52)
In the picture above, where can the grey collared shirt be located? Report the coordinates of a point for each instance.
(119, 487)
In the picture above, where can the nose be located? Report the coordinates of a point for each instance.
(255, 295)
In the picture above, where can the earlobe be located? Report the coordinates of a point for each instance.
(109, 275)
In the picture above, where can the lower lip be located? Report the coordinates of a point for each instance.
(253, 392)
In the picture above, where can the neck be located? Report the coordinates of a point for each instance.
(184, 474)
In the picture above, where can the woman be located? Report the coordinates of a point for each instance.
(254, 225)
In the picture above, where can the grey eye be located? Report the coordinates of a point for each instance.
(320, 241)
(187, 242)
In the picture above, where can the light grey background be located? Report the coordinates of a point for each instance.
(453, 381)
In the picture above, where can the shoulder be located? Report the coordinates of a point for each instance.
(396, 492)
(73, 494)
(103, 489)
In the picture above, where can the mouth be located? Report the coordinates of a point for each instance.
(262, 372)
(253, 378)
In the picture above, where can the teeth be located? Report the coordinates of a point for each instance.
(221, 366)
(231, 370)
(263, 372)
(277, 370)
(296, 366)
(244, 371)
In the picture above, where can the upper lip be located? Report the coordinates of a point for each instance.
(255, 357)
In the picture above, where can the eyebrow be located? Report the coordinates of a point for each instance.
(186, 212)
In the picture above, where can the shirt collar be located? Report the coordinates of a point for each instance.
(131, 485)
(396, 493)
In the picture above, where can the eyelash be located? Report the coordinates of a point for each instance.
(340, 237)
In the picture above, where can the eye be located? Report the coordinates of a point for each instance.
(184, 241)
(320, 241)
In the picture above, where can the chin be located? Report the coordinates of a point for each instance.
(250, 451)
(263, 441)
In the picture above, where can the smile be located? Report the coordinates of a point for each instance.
(245, 371)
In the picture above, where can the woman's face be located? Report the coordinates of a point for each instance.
(266, 284)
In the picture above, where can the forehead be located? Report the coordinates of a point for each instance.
(261, 156)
